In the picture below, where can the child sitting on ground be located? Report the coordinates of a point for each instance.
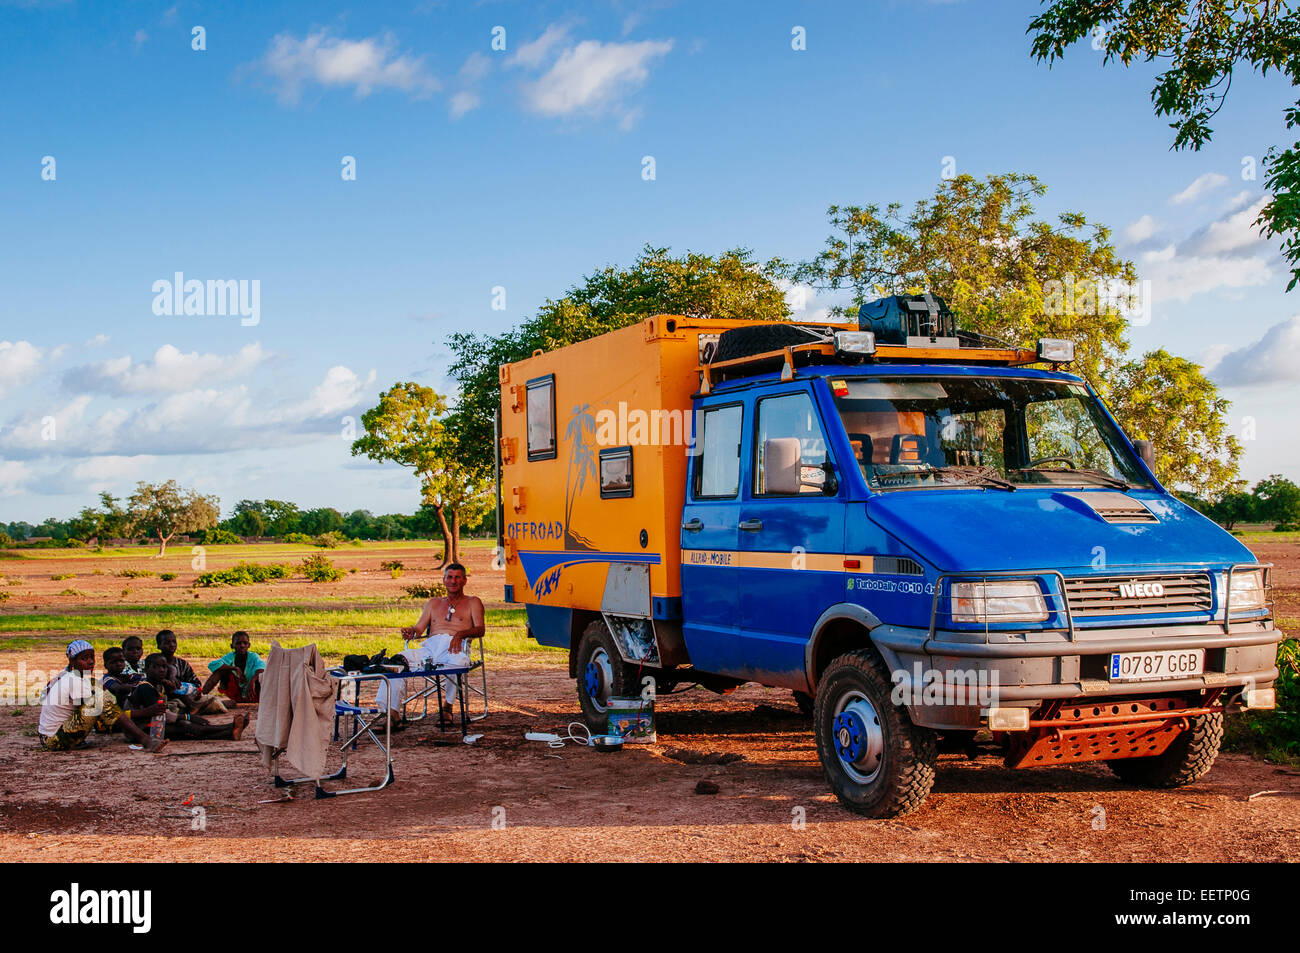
(133, 649)
(238, 673)
(181, 723)
(182, 681)
(74, 704)
(117, 681)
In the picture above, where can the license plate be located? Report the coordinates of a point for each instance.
(1142, 666)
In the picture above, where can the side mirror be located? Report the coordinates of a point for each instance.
(1147, 451)
(831, 484)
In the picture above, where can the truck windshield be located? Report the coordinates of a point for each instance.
(910, 432)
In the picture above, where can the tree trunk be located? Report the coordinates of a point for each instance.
(162, 543)
(446, 534)
(455, 535)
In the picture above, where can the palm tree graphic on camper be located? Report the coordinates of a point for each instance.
(582, 460)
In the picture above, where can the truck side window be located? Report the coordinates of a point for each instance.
(717, 469)
(787, 424)
(540, 412)
(615, 473)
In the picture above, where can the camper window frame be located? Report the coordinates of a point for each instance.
(619, 494)
(552, 451)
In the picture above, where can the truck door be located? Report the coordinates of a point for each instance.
(791, 537)
(710, 571)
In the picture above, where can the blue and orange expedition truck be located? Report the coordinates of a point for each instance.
(912, 527)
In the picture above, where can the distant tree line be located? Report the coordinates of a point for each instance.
(111, 519)
(1274, 500)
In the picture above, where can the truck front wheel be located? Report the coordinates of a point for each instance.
(602, 674)
(877, 762)
(1188, 758)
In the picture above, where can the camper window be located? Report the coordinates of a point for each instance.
(615, 473)
(541, 418)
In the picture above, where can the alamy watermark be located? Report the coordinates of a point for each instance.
(216, 296)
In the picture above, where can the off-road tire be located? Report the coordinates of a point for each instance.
(762, 338)
(805, 702)
(906, 771)
(1188, 759)
(623, 682)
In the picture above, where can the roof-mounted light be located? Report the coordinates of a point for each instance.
(855, 342)
(1055, 351)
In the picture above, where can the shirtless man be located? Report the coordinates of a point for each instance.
(450, 622)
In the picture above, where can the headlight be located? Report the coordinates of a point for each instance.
(1247, 590)
(1012, 601)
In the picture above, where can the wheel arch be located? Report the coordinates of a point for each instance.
(841, 628)
(579, 619)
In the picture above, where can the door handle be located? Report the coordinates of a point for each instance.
(693, 525)
(751, 526)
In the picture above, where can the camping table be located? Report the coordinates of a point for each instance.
(364, 724)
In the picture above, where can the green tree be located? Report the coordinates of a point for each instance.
(1232, 508)
(1204, 42)
(1169, 401)
(977, 244)
(1277, 500)
(162, 510)
(248, 519)
(282, 517)
(730, 285)
(325, 519)
(409, 427)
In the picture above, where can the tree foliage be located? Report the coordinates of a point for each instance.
(1169, 401)
(1203, 42)
(1018, 278)
(977, 244)
(409, 427)
(161, 510)
(730, 285)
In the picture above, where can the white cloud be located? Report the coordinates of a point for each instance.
(532, 55)
(14, 477)
(99, 340)
(1226, 253)
(18, 362)
(201, 420)
(169, 371)
(331, 61)
(1139, 231)
(475, 68)
(462, 102)
(1274, 357)
(803, 302)
(1203, 184)
(140, 38)
(1233, 233)
(592, 77)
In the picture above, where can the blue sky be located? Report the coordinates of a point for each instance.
(522, 169)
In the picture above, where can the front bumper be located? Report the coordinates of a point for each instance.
(1025, 670)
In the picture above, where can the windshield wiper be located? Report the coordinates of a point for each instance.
(978, 476)
(1086, 471)
(969, 476)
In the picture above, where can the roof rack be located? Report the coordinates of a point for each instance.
(803, 355)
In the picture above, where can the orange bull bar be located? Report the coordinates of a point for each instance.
(1069, 732)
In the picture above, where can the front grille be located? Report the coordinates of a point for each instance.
(1138, 595)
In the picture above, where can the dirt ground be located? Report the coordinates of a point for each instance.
(504, 798)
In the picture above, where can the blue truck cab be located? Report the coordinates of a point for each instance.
(924, 540)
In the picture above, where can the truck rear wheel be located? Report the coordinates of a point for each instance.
(1188, 759)
(602, 674)
(877, 762)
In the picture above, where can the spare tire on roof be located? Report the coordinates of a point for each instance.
(762, 338)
